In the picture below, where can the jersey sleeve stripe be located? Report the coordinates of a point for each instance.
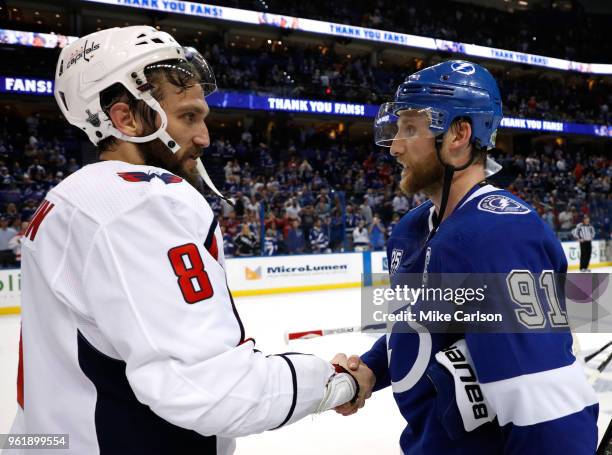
(211, 234)
(20, 398)
(214, 249)
(294, 383)
(242, 333)
(540, 397)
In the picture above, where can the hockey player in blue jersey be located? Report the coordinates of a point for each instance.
(439, 128)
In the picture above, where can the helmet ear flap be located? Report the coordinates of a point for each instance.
(118, 93)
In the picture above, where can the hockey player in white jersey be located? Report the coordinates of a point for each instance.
(131, 342)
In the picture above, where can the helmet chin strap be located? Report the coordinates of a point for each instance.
(163, 135)
(207, 180)
(449, 172)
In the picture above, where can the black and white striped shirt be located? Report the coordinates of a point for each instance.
(584, 232)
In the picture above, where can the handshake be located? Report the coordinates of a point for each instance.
(364, 377)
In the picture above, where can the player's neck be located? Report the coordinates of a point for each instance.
(463, 182)
(125, 151)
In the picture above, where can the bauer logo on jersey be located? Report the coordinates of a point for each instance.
(502, 205)
(396, 260)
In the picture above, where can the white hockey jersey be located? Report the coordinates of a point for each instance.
(130, 339)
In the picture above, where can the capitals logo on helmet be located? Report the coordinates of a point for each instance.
(122, 56)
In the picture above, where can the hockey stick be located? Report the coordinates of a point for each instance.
(605, 363)
(605, 446)
(592, 355)
(602, 366)
(289, 336)
(595, 375)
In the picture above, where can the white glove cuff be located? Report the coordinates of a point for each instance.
(341, 388)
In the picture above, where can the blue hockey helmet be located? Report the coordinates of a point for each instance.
(440, 94)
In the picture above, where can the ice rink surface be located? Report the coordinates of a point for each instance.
(375, 429)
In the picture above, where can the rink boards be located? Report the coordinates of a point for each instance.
(254, 276)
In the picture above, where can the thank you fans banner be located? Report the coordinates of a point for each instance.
(364, 33)
(238, 100)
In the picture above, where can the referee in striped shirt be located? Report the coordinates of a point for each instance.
(584, 233)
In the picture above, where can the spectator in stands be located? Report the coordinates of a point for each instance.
(576, 217)
(59, 176)
(253, 205)
(351, 222)
(305, 170)
(15, 243)
(36, 171)
(377, 234)
(228, 244)
(5, 176)
(360, 184)
(400, 203)
(370, 198)
(366, 212)
(231, 168)
(12, 214)
(292, 208)
(319, 240)
(73, 166)
(308, 220)
(361, 239)
(549, 217)
(252, 220)
(246, 243)
(270, 242)
(418, 198)
(230, 223)
(336, 228)
(7, 258)
(322, 208)
(392, 224)
(240, 204)
(311, 170)
(295, 238)
(566, 219)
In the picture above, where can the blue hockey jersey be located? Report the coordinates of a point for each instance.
(533, 383)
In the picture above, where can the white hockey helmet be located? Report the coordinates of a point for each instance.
(99, 60)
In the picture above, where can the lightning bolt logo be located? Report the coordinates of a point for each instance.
(463, 68)
(502, 205)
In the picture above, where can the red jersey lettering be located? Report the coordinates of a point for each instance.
(38, 218)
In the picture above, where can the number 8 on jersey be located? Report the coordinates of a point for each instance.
(189, 269)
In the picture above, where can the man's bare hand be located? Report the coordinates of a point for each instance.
(364, 376)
